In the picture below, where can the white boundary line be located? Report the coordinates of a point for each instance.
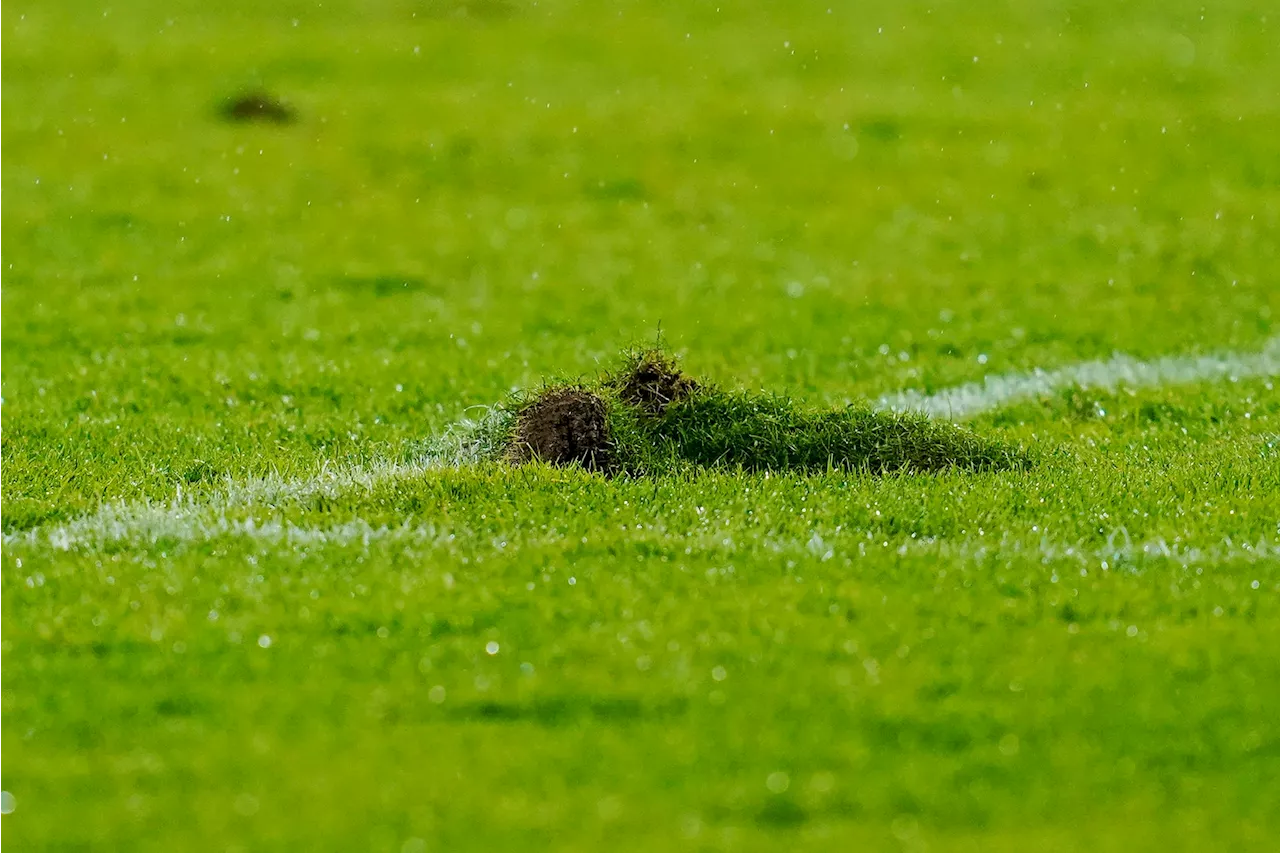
(1118, 554)
(191, 519)
(993, 392)
(187, 518)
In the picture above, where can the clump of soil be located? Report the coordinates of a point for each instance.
(258, 106)
(653, 382)
(563, 426)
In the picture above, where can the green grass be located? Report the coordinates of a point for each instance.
(823, 202)
(691, 425)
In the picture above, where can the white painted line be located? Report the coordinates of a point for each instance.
(1117, 554)
(190, 519)
(994, 392)
(186, 519)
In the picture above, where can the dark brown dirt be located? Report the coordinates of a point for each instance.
(258, 106)
(564, 426)
(654, 383)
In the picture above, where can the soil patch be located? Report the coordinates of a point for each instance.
(564, 426)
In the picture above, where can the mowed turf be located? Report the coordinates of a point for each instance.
(830, 202)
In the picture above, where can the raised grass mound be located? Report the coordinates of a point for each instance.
(564, 425)
(648, 418)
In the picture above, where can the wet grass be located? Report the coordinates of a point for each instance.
(783, 638)
(770, 433)
(646, 418)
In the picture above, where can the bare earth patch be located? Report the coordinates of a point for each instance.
(563, 426)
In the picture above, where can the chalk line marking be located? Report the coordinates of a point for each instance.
(993, 392)
(1119, 554)
(186, 518)
(189, 519)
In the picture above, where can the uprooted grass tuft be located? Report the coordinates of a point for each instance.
(651, 381)
(564, 426)
(648, 418)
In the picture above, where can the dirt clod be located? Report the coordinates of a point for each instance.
(564, 426)
(258, 106)
(653, 383)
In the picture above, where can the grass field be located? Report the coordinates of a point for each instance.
(256, 596)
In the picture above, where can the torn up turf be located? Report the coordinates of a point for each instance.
(648, 418)
(564, 426)
(765, 433)
(651, 381)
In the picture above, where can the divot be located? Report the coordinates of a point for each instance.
(564, 426)
(649, 418)
(258, 105)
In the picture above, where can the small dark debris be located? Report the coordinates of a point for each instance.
(654, 383)
(564, 426)
(258, 106)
